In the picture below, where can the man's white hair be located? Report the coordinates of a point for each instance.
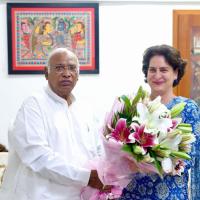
(62, 50)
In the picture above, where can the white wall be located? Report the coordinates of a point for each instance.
(125, 29)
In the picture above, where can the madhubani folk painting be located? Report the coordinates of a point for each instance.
(35, 30)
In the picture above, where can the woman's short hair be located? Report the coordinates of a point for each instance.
(172, 57)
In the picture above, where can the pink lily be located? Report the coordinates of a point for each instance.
(175, 123)
(145, 139)
(178, 167)
(121, 132)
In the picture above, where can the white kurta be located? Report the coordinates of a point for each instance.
(49, 147)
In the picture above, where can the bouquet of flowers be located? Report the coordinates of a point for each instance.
(143, 135)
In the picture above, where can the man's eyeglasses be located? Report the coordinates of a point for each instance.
(59, 69)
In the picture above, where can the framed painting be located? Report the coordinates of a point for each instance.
(35, 29)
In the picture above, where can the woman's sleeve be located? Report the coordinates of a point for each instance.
(191, 115)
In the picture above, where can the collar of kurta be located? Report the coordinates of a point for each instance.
(53, 95)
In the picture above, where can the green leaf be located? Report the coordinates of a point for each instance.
(115, 119)
(140, 94)
(156, 147)
(126, 101)
(127, 148)
(156, 163)
(138, 157)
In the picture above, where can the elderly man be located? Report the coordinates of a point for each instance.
(49, 144)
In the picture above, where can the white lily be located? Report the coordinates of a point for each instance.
(161, 136)
(167, 165)
(155, 104)
(178, 167)
(153, 116)
(172, 142)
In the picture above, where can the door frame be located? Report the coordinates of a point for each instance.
(183, 89)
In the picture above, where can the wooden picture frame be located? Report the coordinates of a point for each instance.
(35, 29)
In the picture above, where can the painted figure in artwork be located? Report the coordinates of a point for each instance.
(77, 32)
(42, 39)
(25, 38)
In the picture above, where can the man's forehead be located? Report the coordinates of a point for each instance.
(63, 57)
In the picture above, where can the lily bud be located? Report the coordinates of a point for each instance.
(185, 129)
(147, 158)
(186, 148)
(173, 133)
(187, 137)
(180, 154)
(138, 150)
(163, 153)
(177, 109)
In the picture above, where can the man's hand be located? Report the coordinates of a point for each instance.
(96, 183)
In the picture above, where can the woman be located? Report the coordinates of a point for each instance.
(163, 69)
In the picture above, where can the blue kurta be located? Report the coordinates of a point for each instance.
(152, 187)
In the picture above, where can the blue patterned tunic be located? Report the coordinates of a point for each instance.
(152, 187)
